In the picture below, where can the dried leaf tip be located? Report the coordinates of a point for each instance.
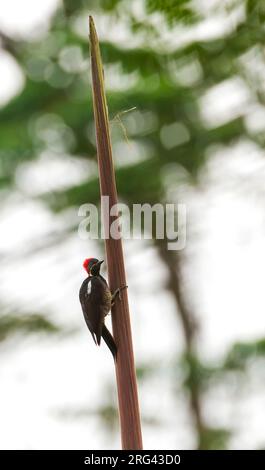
(92, 30)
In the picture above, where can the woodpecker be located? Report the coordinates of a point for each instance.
(96, 301)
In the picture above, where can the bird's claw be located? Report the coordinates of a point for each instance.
(120, 289)
(117, 292)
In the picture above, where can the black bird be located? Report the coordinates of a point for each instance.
(96, 301)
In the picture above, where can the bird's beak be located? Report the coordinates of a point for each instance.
(100, 262)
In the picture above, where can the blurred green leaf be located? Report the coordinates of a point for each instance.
(31, 323)
(241, 353)
(175, 11)
(214, 439)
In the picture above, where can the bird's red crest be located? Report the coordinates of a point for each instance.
(86, 263)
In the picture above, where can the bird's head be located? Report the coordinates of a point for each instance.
(92, 266)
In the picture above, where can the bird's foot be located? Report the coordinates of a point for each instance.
(117, 292)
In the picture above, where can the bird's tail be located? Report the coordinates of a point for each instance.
(106, 335)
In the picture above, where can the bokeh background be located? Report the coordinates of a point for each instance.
(194, 71)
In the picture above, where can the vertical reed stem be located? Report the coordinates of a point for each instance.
(131, 435)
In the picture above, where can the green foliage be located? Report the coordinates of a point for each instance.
(237, 359)
(145, 370)
(214, 439)
(175, 11)
(159, 88)
(197, 374)
(31, 323)
(255, 9)
(105, 413)
(242, 353)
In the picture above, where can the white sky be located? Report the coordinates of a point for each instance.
(226, 275)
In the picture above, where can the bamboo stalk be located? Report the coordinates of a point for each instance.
(131, 436)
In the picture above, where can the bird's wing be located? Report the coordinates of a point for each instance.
(92, 298)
